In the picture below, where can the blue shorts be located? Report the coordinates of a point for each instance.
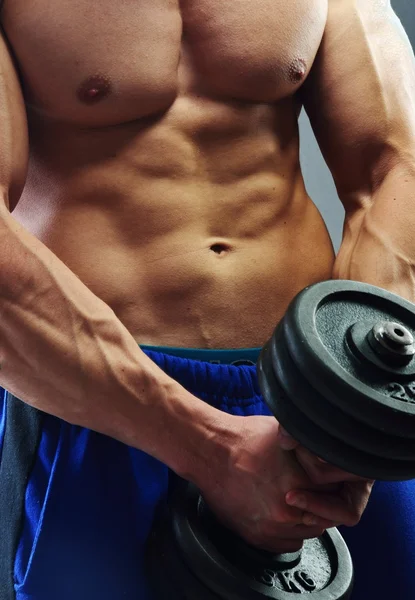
(76, 507)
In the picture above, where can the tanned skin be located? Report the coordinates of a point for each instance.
(149, 155)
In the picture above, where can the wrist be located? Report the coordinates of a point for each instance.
(208, 440)
(199, 437)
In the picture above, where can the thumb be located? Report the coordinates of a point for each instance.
(285, 441)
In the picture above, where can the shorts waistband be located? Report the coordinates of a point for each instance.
(233, 356)
(221, 385)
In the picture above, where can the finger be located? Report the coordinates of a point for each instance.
(294, 517)
(312, 520)
(327, 506)
(357, 494)
(291, 516)
(321, 472)
(309, 519)
(285, 440)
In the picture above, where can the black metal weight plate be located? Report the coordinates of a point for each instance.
(323, 444)
(357, 387)
(330, 417)
(192, 557)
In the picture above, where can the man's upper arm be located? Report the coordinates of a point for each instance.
(360, 95)
(13, 130)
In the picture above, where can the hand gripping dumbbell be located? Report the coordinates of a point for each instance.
(339, 375)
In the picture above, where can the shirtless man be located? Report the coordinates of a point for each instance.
(152, 195)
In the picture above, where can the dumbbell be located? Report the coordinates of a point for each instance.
(339, 375)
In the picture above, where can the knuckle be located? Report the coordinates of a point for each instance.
(310, 520)
(353, 518)
(351, 522)
(289, 517)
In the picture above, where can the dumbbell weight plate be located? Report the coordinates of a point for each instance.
(315, 329)
(315, 438)
(192, 557)
(329, 416)
(328, 370)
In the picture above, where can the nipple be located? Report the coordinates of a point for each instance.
(297, 70)
(94, 89)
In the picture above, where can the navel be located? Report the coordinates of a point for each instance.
(94, 89)
(220, 248)
(297, 70)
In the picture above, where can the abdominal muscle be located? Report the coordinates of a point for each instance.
(194, 227)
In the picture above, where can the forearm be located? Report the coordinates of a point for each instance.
(64, 351)
(379, 238)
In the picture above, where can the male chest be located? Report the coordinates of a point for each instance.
(110, 61)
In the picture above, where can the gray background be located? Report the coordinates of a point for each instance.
(317, 177)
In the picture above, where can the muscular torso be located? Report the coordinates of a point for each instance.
(164, 167)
